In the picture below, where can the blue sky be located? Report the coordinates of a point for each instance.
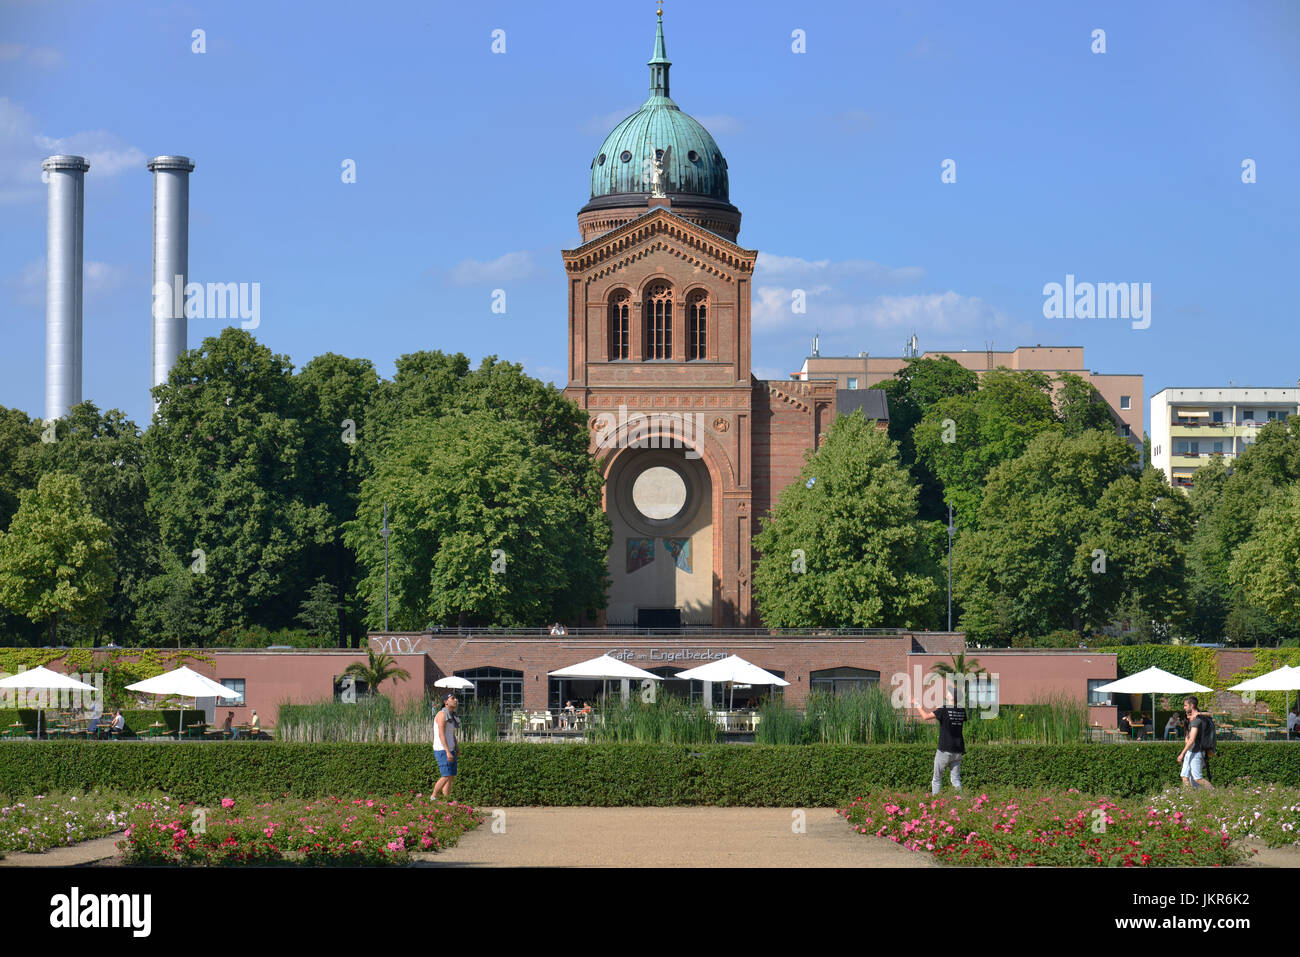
(1123, 166)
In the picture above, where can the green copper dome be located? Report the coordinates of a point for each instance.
(695, 165)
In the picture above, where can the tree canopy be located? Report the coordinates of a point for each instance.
(843, 546)
(56, 559)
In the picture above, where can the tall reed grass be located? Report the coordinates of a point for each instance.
(667, 720)
(869, 717)
(375, 719)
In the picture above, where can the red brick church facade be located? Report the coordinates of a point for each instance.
(659, 326)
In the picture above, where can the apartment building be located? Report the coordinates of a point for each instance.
(1122, 392)
(1190, 426)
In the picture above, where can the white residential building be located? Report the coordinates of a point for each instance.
(1189, 426)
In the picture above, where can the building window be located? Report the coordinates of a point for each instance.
(235, 685)
(1247, 415)
(619, 310)
(698, 322)
(853, 383)
(1218, 417)
(843, 680)
(659, 322)
(500, 686)
(1127, 430)
(1126, 402)
(1099, 699)
(1277, 416)
(1218, 448)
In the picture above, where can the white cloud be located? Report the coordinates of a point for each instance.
(104, 151)
(946, 312)
(23, 146)
(99, 279)
(770, 264)
(509, 267)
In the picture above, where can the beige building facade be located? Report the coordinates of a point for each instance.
(1122, 392)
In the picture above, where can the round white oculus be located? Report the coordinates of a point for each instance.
(659, 493)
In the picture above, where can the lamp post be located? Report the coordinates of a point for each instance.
(950, 531)
(385, 532)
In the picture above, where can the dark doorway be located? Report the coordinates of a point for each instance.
(659, 618)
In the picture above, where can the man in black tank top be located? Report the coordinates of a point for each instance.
(952, 746)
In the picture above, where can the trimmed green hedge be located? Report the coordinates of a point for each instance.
(609, 775)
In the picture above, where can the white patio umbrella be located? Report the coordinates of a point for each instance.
(42, 678)
(454, 682)
(186, 683)
(1286, 678)
(602, 669)
(1153, 681)
(733, 670)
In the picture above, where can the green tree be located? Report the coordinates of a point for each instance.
(337, 392)
(484, 526)
(319, 613)
(843, 546)
(1080, 407)
(1266, 568)
(56, 560)
(232, 484)
(963, 438)
(1021, 570)
(422, 387)
(167, 603)
(914, 390)
(1226, 505)
(1141, 527)
(376, 671)
(18, 436)
(105, 451)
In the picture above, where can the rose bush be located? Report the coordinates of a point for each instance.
(334, 831)
(1044, 828)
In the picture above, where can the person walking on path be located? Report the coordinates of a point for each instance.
(445, 747)
(952, 746)
(1198, 747)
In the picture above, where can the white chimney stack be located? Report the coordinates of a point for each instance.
(171, 258)
(63, 282)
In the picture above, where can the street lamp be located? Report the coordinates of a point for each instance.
(386, 532)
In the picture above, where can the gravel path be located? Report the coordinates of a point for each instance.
(87, 852)
(670, 837)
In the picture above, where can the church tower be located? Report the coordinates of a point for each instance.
(659, 340)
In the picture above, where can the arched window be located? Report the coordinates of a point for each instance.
(619, 309)
(659, 321)
(697, 323)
